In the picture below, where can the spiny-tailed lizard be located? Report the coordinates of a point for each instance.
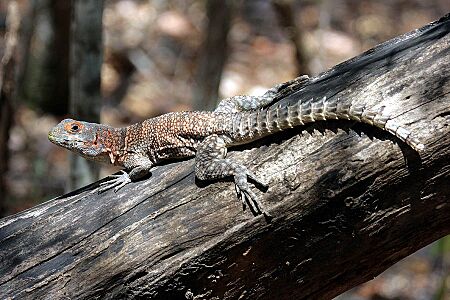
(207, 135)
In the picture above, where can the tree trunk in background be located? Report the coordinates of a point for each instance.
(348, 201)
(86, 54)
(11, 70)
(46, 80)
(14, 65)
(125, 69)
(287, 18)
(8, 79)
(58, 63)
(213, 55)
(262, 18)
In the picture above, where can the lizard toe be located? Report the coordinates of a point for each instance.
(116, 181)
(248, 198)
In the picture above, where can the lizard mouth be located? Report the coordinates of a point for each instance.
(51, 137)
(68, 143)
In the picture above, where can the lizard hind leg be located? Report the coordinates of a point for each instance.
(210, 163)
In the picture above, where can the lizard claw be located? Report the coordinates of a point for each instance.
(117, 182)
(238, 195)
(247, 196)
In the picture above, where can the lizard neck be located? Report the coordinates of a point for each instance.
(116, 146)
(111, 140)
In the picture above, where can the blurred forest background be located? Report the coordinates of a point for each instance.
(161, 56)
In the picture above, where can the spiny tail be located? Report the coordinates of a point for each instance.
(256, 124)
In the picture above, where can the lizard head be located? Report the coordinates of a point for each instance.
(86, 139)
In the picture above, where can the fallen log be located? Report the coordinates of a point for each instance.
(347, 201)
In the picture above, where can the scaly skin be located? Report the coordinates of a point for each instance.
(206, 135)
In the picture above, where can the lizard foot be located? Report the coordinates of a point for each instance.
(247, 196)
(117, 182)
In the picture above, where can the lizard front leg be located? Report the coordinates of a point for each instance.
(210, 163)
(138, 165)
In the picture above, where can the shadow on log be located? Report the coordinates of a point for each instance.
(348, 201)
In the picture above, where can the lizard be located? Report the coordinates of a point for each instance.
(207, 135)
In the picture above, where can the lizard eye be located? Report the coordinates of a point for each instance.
(74, 127)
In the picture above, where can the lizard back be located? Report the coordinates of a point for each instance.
(174, 134)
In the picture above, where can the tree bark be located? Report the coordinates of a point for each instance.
(347, 201)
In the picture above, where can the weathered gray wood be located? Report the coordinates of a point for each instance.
(348, 201)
